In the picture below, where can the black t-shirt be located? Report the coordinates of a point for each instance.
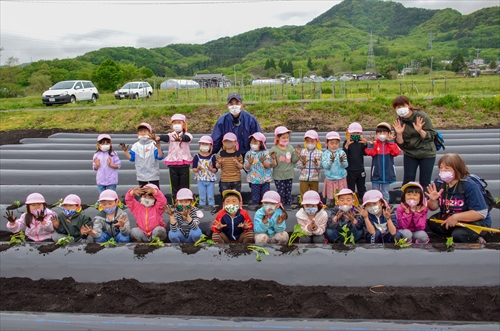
(355, 156)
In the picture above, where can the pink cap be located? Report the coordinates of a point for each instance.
(72, 199)
(184, 194)
(385, 124)
(354, 127)
(206, 140)
(281, 130)
(272, 197)
(332, 135)
(229, 137)
(311, 134)
(103, 136)
(35, 198)
(151, 185)
(372, 196)
(108, 195)
(178, 117)
(344, 191)
(311, 198)
(145, 125)
(259, 136)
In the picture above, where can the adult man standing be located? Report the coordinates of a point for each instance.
(237, 121)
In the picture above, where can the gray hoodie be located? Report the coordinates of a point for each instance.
(101, 224)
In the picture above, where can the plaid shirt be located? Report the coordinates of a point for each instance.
(310, 171)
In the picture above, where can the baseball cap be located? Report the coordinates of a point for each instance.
(234, 96)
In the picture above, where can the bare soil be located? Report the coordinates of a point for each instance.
(93, 248)
(252, 298)
(141, 250)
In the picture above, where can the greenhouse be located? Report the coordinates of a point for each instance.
(173, 84)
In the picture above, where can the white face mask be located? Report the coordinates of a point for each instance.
(269, 209)
(373, 210)
(345, 208)
(382, 137)
(147, 202)
(255, 147)
(403, 112)
(204, 148)
(235, 110)
(105, 148)
(143, 138)
(311, 146)
(177, 127)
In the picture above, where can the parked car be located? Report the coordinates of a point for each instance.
(134, 90)
(70, 91)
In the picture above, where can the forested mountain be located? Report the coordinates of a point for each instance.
(335, 41)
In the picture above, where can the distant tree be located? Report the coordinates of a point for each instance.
(40, 81)
(281, 65)
(145, 72)
(310, 64)
(267, 65)
(326, 71)
(458, 63)
(108, 75)
(129, 72)
(272, 64)
(12, 61)
(389, 70)
(493, 64)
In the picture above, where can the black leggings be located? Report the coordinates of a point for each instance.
(179, 178)
(410, 170)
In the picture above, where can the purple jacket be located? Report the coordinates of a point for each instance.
(106, 175)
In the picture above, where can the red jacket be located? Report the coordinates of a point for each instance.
(147, 218)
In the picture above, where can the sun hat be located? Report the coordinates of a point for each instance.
(259, 136)
(206, 140)
(272, 197)
(178, 117)
(354, 127)
(373, 196)
(234, 96)
(346, 191)
(311, 134)
(226, 192)
(184, 194)
(146, 125)
(332, 135)
(151, 185)
(281, 130)
(385, 125)
(103, 136)
(34, 198)
(108, 195)
(230, 137)
(405, 186)
(311, 198)
(72, 199)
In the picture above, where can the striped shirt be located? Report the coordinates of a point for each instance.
(181, 224)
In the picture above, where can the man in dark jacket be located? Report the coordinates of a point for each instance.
(237, 121)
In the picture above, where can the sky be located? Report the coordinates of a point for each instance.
(32, 30)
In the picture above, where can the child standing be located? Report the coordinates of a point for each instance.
(148, 212)
(111, 221)
(354, 148)
(184, 219)
(146, 154)
(258, 165)
(381, 226)
(312, 218)
(230, 162)
(106, 164)
(36, 222)
(310, 162)
(283, 157)
(205, 169)
(344, 213)
(178, 159)
(269, 221)
(412, 213)
(72, 220)
(334, 161)
(383, 151)
(232, 224)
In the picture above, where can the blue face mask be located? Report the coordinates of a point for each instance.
(310, 210)
(68, 213)
(109, 210)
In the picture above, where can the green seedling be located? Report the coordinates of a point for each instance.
(449, 242)
(299, 199)
(17, 204)
(347, 237)
(121, 205)
(156, 241)
(110, 242)
(17, 238)
(195, 202)
(257, 250)
(58, 203)
(401, 243)
(64, 241)
(204, 240)
(297, 233)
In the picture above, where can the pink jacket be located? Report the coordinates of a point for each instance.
(321, 220)
(37, 231)
(147, 218)
(178, 152)
(414, 221)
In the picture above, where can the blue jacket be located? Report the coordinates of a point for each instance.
(383, 153)
(335, 170)
(272, 227)
(244, 126)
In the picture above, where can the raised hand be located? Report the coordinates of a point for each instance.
(298, 149)
(169, 210)
(218, 161)
(97, 162)
(124, 147)
(432, 193)
(122, 220)
(372, 138)
(9, 215)
(262, 159)
(332, 157)
(342, 158)
(350, 216)
(303, 159)
(177, 137)
(153, 137)
(219, 225)
(109, 161)
(405, 208)
(364, 141)
(273, 155)
(250, 158)
(388, 212)
(419, 124)
(185, 213)
(361, 211)
(243, 225)
(392, 136)
(398, 127)
(313, 226)
(283, 217)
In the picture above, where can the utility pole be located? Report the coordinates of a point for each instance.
(477, 60)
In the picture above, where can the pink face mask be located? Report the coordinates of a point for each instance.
(283, 143)
(412, 203)
(446, 176)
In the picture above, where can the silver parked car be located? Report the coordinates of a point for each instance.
(134, 90)
(70, 91)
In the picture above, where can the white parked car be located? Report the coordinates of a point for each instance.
(134, 90)
(70, 91)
